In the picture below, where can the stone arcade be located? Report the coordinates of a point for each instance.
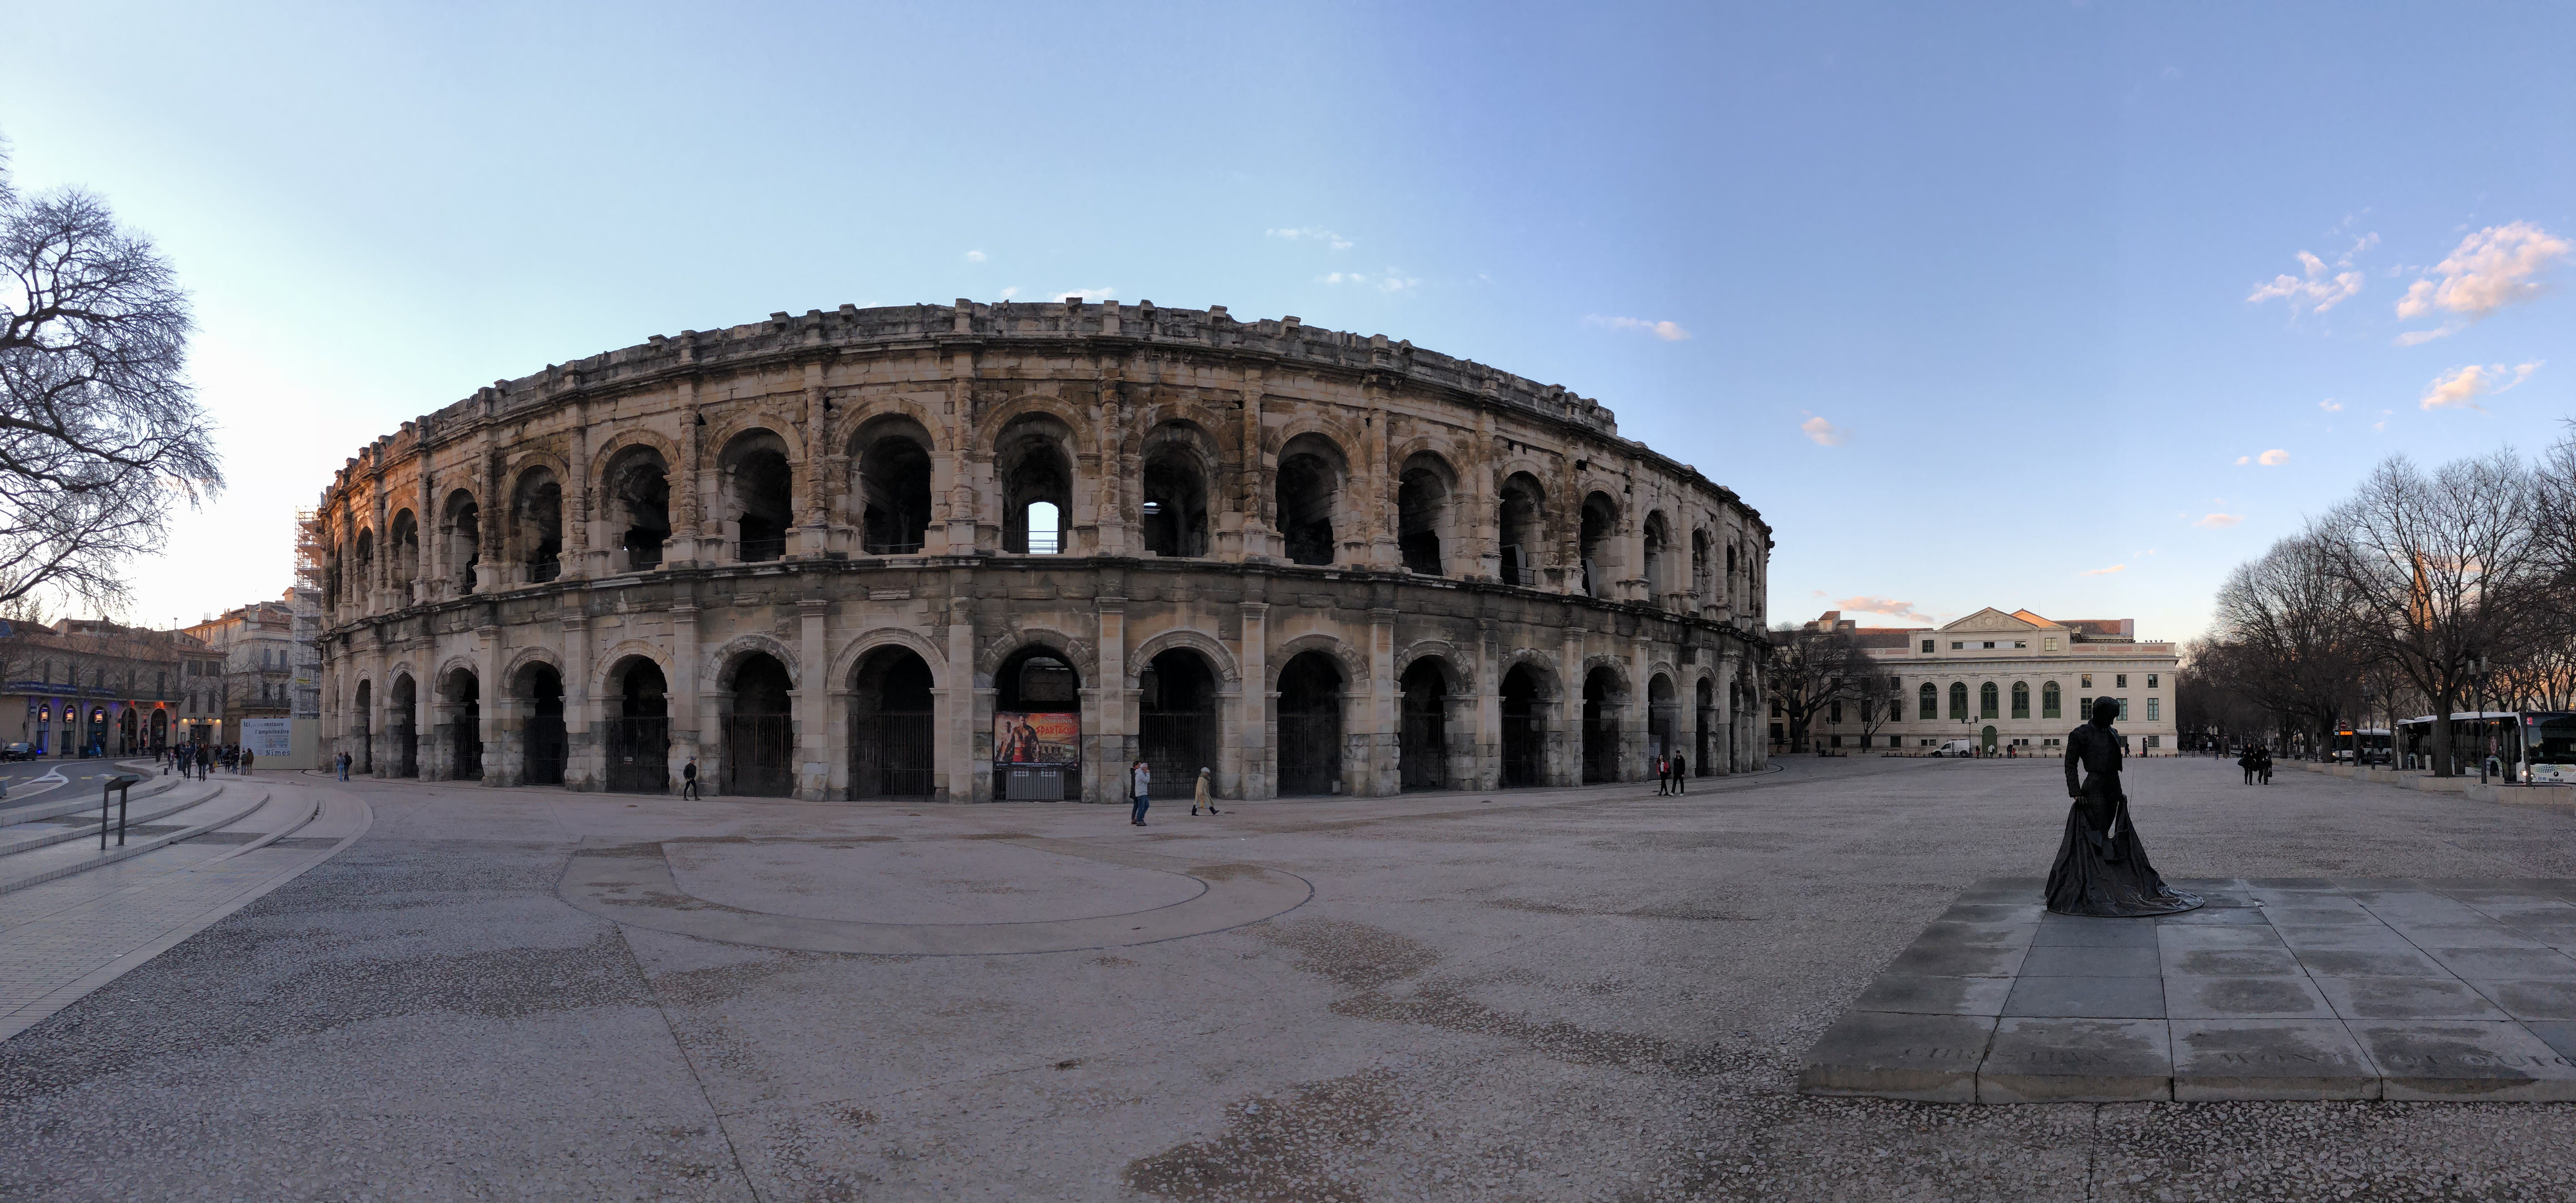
(872, 553)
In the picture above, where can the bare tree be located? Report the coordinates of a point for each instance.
(99, 431)
(2290, 637)
(1811, 668)
(1882, 699)
(2446, 569)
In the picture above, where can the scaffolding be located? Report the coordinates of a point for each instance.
(305, 600)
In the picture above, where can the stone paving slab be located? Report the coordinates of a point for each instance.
(2286, 988)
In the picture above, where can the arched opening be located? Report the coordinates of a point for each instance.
(464, 701)
(1988, 736)
(638, 740)
(2051, 702)
(365, 758)
(1927, 703)
(1524, 728)
(1658, 542)
(1423, 742)
(1958, 700)
(366, 578)
(639, 506)
(402, 544)
(893, 454)
(1600, 522)
(540, 689)
(2021, 699)
(1037, 486)
(1989, 701)
(1600, 727)
(402, 718)
(759, 494)
(760, 730)
(463, 530)
(1310, 478)
(1176, 732)
(891, 731)
(1524, 528)
(160, 728)
(1700, 583)
(1310, 725)
(1663, 717)
(129, 730)
(1422, 513)
(1706, 714)
(1173, 509)
(1037, 727)
(536, 523)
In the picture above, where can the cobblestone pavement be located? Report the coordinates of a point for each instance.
(1577, 994)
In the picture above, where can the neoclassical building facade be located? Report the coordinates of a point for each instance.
(980, 552)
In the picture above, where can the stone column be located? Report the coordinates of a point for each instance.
(1487, 772)
(576, 503)
(1254, 480)
(1117, 696)
(1252, 722)
(1569, 659)
(968, 777)
(1385, 770)
(813, 692)
(1637, 718)
(493, 693)
(585, 765)
(687, 724)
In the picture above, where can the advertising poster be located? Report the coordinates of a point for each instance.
(1036, 738)
(267, 737)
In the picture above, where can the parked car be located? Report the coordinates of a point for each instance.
(17, 752)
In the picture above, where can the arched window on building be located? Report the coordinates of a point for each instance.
(1310, 479)
(1600, 522)
(1989, 701)
(2049, 702)
(536, 518)
(1037, 485)
(1422, 513)
(759, 494)
(1958, 699)
(639, 507)
(2021, 699)
(1524, 528)
(1173, 508)
(1927, 703)
(1659, 543)
(893, 493)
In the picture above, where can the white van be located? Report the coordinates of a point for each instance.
(1957, 747)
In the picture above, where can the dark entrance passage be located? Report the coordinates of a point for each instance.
(1037, 721)
(1700, 767)
(1177, 722)
(465, 728)
(1600, 728)
(1423, 759)
(760, 734)
(543, 737)
(366, 757)
(1663, 711)
(1524, 734)
(402, 724)
(890, 726)
(639, 737)
(1310, 725)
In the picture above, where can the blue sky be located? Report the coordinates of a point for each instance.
(1980, 305)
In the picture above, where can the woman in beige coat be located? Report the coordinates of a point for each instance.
(1204, 798)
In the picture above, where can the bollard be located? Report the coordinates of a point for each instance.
(123, 786)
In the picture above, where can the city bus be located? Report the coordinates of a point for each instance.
(2533, 745)
(2368, 745)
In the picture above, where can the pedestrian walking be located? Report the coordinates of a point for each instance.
(2247, 762)
(1203, 797)
(247, 757)
(1140, 782)
(341, 762)
(1681, 775)
(1663, 776)
(689, 779)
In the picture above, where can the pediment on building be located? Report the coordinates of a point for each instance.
(1991, 619)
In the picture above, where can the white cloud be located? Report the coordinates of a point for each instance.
(2490, 269)
(2461, 388)
(1670, 332)
(1391, 281)
(1888, 606)
(1088, 294)
(1825, 433)
(2273, 458)
(1327, 237)
(2104, 571)
(2243, 460)
(2330, 405)
(2219, 521)
(2320, 286)
(974, 256)
(1010, 292)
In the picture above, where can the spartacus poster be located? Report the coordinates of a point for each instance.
(1020, 738)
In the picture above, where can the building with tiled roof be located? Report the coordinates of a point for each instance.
(2002, 680)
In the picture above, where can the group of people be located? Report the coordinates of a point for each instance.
(2257, 763)
(203, 758)
(1140, 781)
(1671, 774)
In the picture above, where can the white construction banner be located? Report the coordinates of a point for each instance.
(267, 737)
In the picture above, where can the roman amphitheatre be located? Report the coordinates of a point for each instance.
(983, 552)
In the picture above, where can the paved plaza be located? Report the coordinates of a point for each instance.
(1591, 993)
